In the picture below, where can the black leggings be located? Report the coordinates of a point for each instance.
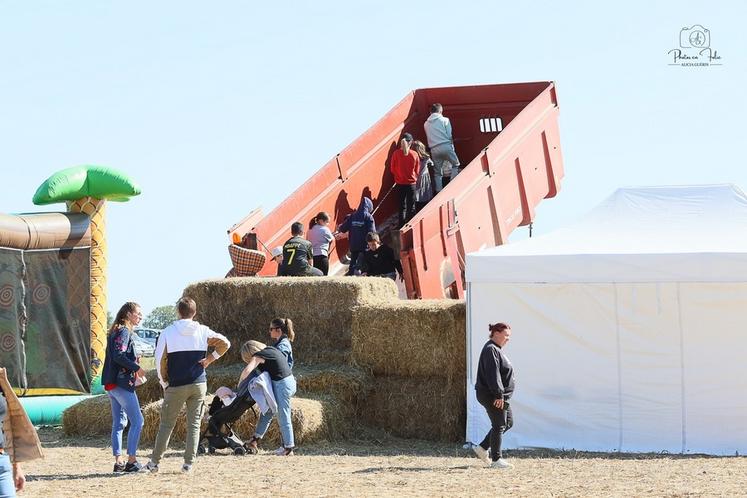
(322, 263)
(500, 421)
(406, 203)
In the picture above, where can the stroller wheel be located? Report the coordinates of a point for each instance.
(211, 450)
(201, 449)
(240, 451)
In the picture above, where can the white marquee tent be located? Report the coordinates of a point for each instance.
(628, 327)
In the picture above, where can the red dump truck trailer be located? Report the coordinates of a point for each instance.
(506, 137)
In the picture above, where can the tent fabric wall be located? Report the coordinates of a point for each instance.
(635, 344)
(618, 367)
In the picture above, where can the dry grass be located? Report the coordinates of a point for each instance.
(411, 338)
(79, 467)
(321, 309)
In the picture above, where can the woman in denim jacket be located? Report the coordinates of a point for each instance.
(121, 370)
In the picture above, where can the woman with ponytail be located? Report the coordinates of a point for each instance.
(282, 335)
(494, 388)
(121, 370)
(321, 238)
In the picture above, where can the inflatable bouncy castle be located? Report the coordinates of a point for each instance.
(53, 290)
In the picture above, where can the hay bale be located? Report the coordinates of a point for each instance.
(90, 417)
(321, 309)
(151, 390)
(421, 408)
(412, 338)
(344, 383)
(313, 419)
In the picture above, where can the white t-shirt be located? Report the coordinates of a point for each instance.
(320, 238)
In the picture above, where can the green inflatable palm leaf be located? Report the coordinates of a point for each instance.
(75, 183)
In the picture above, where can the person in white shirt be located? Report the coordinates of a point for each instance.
(181, 360)
(321, 238)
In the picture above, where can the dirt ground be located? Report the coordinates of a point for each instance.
(75, 467)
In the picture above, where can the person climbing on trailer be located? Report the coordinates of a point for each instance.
(440, 141)
(405, 166)
(359, 224)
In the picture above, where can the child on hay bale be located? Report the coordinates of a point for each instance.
(182, 374)
(277, 257)
(297, 255)
(321, 239)
(271, 360)
(379, 260)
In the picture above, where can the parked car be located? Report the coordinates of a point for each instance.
(148, 335)
(143, 347)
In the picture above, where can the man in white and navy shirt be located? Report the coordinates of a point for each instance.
(181, 359)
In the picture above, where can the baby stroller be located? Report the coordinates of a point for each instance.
(219, 435)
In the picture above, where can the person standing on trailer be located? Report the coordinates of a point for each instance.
(359, 224)
(405, 166)
(423, 187)
(440, 141)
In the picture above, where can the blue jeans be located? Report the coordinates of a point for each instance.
(125, 406)
(284, 390)
(7, 485)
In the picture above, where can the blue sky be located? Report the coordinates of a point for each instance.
(217, 108)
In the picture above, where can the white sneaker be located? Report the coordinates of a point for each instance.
(481, 453)
(186, 468)
(151, 467)
(280, 451)
(501, 464)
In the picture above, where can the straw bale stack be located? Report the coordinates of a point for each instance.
(416, 407)
(321, 310)
(411, 338)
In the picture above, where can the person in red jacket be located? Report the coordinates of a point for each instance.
(405, 166)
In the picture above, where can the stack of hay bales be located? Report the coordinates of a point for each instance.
(363, 356)
(321, 310)
(416, 353)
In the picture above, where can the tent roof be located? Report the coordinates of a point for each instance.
(645, 234)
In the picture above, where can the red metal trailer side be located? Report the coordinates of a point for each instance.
(507, 172)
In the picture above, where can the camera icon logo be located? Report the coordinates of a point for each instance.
(696, 36)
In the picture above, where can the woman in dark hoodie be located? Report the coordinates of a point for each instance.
(359, 224)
